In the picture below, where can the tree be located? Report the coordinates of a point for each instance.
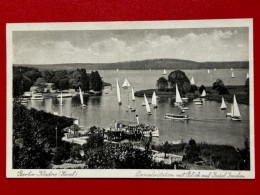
(95, 81)
(119, 156)
(162, 83)
(179, 77)
(186, 87)
(47, 75)
(202, 88)
(192, 152)
(193, 88)
(34, 136)
(64, 84)
(166, 148)
(41, 84)
(245, 156)
(85, 81)
(32, 74)
(220, 87)
(18, 89)
(218, 84)
(58, 157)
(95, 140)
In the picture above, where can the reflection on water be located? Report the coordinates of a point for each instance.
(208, 123)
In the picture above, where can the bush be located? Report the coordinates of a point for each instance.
(58, 157)
(202, 88)
(193, 88)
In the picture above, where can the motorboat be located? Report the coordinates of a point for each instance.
(176, 116)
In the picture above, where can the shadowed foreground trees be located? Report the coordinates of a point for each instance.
(34, 136)
(116, 156)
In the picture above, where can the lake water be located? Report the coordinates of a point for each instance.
(208, 123)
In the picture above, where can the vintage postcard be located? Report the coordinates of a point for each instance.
(150, 99)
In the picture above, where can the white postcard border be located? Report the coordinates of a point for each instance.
(125, 173)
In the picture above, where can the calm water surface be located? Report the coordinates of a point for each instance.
(208, 123)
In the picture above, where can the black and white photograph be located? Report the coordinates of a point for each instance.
(150, 99)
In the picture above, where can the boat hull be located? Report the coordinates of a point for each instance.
(64, 96)
(177, 117)
(235, 119)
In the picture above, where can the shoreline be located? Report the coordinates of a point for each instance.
(241, 95)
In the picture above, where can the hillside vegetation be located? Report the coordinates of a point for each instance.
(144, 65)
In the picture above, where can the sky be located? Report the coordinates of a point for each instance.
(107, 46)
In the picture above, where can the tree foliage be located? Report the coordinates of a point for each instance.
(192, 152)
(162, 83)
(202, 88)
(193, 88)
(41, 84)
(179, 77)
(220, 87)
(107, 155)
(34, 134)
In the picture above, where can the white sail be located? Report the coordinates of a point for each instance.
(203, 93)
(232, 75)
(164, 72)
(192, 82)
(231, 69)
(232, 110)
(178, 96)
(61, 99)
(247, 75)
(154, 99)
(223, 105)
(81, 97)
(208, 71)
(118, 92)
(215, 69)
(147, 104)
(117, 70)
(126, 84)
(236, 112)
(133, 94)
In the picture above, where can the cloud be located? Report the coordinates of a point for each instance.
(216, 45)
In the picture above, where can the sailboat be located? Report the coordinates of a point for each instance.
(231, 69)
(178, 100)
(235, 114)
(61, 103)
(133, 94)
(118, 93)
(117, 70)
(215, 69)
(231, 111)
(192, 82)
(154, 100)
(203, 93)
(147, 106)
(208, 71)
(126, 84)
(133, 98)
(164, 72)
(223, 105)
(81, 98)
(232, 75)
(247, 76)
